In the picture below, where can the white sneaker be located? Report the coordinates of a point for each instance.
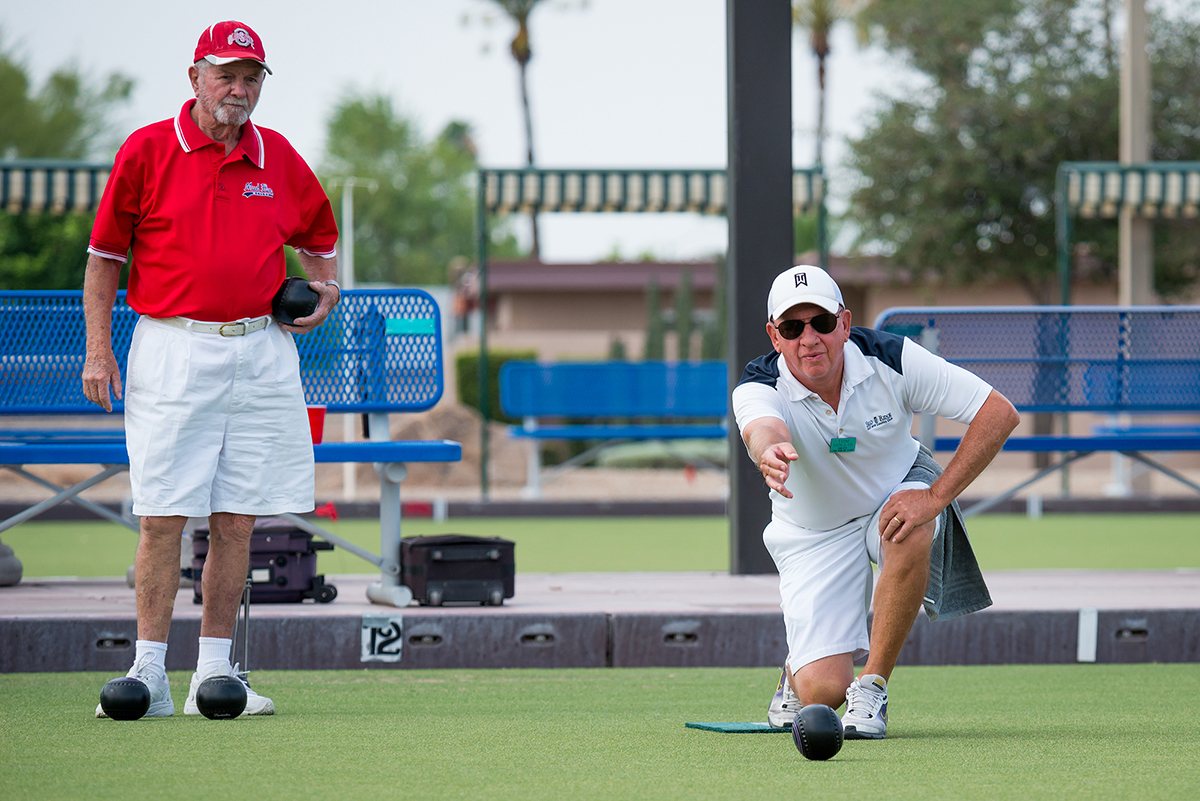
(866, 709)
(161, 705)
(784, 704)
(255, 704)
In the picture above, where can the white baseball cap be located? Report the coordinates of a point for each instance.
(803, 284)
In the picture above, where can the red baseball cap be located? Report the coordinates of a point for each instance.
(230, 41)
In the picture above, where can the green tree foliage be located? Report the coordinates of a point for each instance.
(960, 179)
(656, 328)
(423, 214)
(466, 366)
(42, 251)
(683, 317)
(804, 233)
(66, 118)
(714, 342)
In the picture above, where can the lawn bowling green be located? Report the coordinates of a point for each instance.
(954, 733)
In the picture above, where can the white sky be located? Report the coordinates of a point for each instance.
(618, 83)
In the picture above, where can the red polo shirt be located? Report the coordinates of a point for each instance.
(207, 230)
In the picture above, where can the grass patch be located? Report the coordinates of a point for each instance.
(1094, 542)
(604, 544)
(991, 732)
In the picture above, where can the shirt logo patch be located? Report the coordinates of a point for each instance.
(879, 420)
(260, 190)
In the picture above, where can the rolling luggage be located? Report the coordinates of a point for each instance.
(457, 567)
(283, 564)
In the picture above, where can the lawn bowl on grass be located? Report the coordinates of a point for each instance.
(125, 698)
(221, 698)
(817, 732)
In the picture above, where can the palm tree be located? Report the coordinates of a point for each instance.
(818, 17)
(519, 11)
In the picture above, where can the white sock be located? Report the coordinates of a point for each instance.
(873, 681)
(214, 656)
(155, 652)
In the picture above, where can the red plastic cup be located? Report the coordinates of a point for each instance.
(316, 423)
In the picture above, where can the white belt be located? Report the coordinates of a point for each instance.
(234, 329)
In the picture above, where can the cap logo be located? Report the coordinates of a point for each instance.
(801, 278)
(240, 38)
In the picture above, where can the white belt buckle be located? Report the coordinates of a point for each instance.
(237, 330)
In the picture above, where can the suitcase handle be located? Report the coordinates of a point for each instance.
(464, 554)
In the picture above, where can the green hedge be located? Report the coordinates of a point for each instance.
(466, 365)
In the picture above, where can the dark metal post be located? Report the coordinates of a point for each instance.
(759, 58)
(822, 229)
(483, 319)
(1062, 234)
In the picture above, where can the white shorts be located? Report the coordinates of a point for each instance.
(826, 583)
(216, 424)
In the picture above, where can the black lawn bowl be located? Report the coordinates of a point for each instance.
(817, 731)
(221, 698)
(125, 698)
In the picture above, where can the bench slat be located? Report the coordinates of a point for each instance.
(614, 389)
(1103, 359)
(1056, 444)
(379, 351)
(586, 432)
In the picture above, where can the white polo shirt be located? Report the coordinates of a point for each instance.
(886, 379)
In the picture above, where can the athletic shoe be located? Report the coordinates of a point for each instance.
(784, 704)
(255, 704)
(866, 709)
(161, 705)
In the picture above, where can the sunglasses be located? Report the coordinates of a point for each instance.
(822, 324)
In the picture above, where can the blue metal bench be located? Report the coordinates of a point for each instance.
(620, 401)
(1062, 359)
(379, 352)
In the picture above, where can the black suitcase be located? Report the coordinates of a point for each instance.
(283, 564)
(457, 567)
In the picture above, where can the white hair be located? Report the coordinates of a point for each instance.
(204, 64)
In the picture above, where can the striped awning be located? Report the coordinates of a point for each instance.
(53, 186)
(1156, 189)
(61, 186)
(624, 190)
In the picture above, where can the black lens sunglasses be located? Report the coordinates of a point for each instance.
(822, 324)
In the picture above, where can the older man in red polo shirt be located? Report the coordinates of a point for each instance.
(214, 412)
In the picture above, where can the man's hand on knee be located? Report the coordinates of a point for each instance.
(906, 511)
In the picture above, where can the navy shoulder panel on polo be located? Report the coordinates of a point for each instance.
(763, 370)
(882, 345)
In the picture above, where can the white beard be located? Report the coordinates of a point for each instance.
(230, 114)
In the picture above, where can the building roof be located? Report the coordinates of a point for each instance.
(534, 276)
(635, 276)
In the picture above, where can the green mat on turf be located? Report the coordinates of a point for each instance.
(739, 728)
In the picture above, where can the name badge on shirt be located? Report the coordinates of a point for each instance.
(841, 445)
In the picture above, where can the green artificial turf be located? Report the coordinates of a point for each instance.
(562, 544)
(993, 732)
